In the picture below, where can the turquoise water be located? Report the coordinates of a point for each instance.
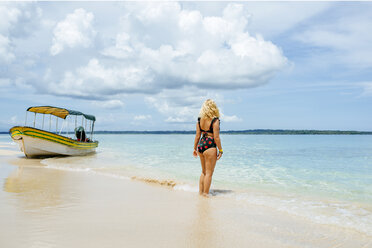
(332, 166)
(326, 178)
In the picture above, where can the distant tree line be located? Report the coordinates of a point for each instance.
(252, 131)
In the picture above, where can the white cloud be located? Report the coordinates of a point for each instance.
(75, 30)
(9, 17)
(346, 37)
(122, 48)
(174, 112)
(162, 50)
(286, 15)
(223, 55)
(110, 104)
(5, 54)
(149, 13)
(163, 46)
(177, 119)
(185, 47)
(367, 88)
(95, 81)
(188, 20)
(18, 22)
(181, 105)
(232, 118)
(142, 117)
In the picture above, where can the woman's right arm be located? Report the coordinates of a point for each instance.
(197, 138)
(216, 137)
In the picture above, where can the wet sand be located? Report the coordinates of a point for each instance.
(43, 207)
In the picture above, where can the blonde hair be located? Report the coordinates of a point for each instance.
(209, 110)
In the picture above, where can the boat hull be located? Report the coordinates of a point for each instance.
(34, 142)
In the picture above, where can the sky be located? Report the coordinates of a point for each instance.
(150, 66)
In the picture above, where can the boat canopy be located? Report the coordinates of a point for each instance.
(59, 112)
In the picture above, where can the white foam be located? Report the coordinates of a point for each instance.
(65, 168)
(186, 187)
(345, 215)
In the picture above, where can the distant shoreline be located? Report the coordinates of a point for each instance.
(251, 132)
(247, 132)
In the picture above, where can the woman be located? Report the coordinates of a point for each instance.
(209, 126)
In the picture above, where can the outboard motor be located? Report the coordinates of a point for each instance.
(80, 134)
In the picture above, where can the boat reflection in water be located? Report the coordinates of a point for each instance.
(34, 188)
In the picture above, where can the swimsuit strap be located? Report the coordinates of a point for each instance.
(211, 127)
(200, 126)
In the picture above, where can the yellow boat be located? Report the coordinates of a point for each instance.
(36, 142)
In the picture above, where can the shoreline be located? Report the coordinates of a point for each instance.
(74, 209)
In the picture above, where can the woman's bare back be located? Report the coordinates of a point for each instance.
(205, 125)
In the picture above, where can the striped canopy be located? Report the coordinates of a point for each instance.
(59, 112)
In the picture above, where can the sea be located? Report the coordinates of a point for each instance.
(326, 179)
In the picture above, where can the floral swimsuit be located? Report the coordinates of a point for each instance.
(206, 142)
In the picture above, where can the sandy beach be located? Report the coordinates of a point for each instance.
(44, 207)
(125, 110)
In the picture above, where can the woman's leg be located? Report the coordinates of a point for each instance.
(210, 157)
(201, 180)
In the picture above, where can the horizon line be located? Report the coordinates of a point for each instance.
(306, 131)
